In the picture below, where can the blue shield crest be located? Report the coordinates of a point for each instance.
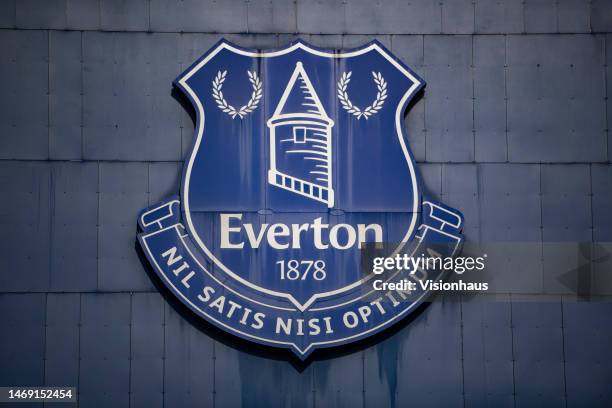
(300, 162)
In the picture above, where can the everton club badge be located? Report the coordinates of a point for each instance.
(299, 165)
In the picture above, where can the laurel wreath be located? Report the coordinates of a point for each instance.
(381, 95)
(217, 85)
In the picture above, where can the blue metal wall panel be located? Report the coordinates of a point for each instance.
(123, 192)
(448, 100)
(147, 350)
(489, 72)
(319, 17)
(22, 339)
(24, 115)
(511, 202)
(74, 220)
(41, 13)
(538, 353)
(460, 189)
(83, 15)
(543, 113)
(410, 49)
(62, 340)
(420, 16)
(458, 17)
(380, 373)
(190, 363)
(431, 173)
(601, 174)
(430, 358)
(105, 350)
(65, 100)
(573, 16)
(540, 16)
(499, 16)
(276, 16)
(487, 353)
(601, 15)
(587, 341)
(201, 16)
(130, 15)
(608, 89)
(339, 382)
(71, 226)
(140, 119)
(25, 203)
(566, 203)
(164, 181)
(7, 14)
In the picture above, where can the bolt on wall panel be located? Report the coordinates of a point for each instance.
(339, 382)
(121, 15)
(510, 202)
(62, 340)
(448, 98)
(601, 15)
(495, 17)
(460, 190)
(24, 115)
(432, 342)
(547, 118)
(123, 194)
(41, 14)
(140, 118)
(566, 203)
(7, 14)
(458, 17)
(431, 174)
(601, 174)
(487, 352)
(608, 90)
(164, 181)
(321, 17)
(380, 373)
(147, 350)
(513, 266)
(490, 99)
(105, 349)
(22, 338)
(573, 16)
(587, 337)
(83, 14)
(276, 384)
(25, 208)
(65, 99)
(190, 362)
(538, 352)
(207, 16)
(74, 220)
(384, 17)
(409, 48)
(56, 14)
(276, 16)
(540, 16)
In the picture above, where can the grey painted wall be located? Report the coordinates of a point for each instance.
(514, 121)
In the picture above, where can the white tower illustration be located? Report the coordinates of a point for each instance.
(300, 141)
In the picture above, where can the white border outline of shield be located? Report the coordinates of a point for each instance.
(224, 44)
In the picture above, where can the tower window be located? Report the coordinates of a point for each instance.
(299, 134)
